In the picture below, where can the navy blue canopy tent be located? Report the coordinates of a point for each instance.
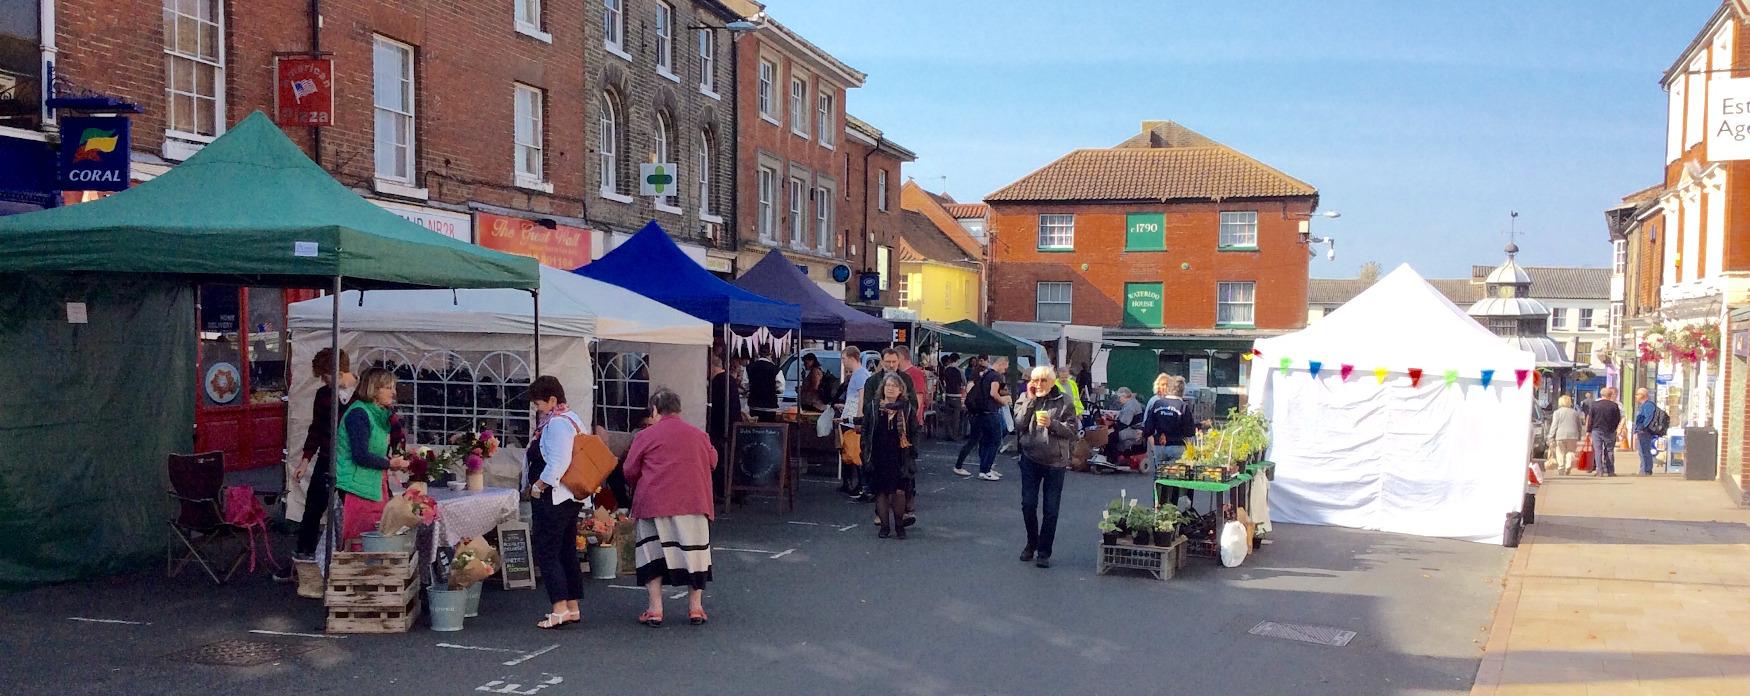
(823, 317)
(651, 265)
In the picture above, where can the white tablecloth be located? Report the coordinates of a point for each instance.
(463, 514)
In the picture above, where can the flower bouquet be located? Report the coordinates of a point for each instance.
(471, 449)
(475, 560)
(404, 512)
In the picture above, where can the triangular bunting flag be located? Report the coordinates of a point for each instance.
(1314, 366)
(1246, 357)
(1346, 370)
(1521, 375)
(1451, 377)
(1488, 376)
(1537, 379)
(1379, 375)
(1286, 366)
(1415, 376)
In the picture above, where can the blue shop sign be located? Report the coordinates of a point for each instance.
(869, 286)
(94, 153)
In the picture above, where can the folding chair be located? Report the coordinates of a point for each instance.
(198, 524)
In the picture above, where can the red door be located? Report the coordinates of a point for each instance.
(241, 374)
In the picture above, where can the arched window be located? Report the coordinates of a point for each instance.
(608, 135)
(662, 149)
(702, 172)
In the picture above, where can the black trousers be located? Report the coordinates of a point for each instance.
(1037, 479)
(315, 506)
(554, 539)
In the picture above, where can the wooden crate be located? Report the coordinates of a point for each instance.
(372, 593)
(1163, 562)
(372, 566)
(374, 619)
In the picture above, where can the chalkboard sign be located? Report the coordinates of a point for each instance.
(761, 459)
(515, 555)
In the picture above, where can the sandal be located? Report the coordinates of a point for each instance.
(576, 617)
(652, 619)
(697, 617)
(553, 622)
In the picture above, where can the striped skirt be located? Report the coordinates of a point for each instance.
(676, 550)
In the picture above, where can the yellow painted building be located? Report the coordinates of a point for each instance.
(937, 280)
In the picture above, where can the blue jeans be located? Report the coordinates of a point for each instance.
(1644, 444)
(1604, 453)
(990, 439)
(1040, 533)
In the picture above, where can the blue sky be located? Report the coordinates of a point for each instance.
(1423, 123)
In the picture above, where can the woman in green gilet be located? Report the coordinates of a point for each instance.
(361, 458)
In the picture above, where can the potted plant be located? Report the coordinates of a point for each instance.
(1142, 525)
(1116, 510)
(1167, 520)
(1108, 530)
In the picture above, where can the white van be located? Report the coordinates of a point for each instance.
(829, 361)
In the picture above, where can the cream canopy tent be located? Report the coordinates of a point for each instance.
(482, 337)
(1439, 459)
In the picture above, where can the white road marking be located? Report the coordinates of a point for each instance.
(296, 635)
(847, 527)
(806, 524)
(501, 686)
(533, 655)
(626, 587)
(475, 647)
(679, 595)
(726, 548)
(109, 621)
(939, 490)
(783, 553)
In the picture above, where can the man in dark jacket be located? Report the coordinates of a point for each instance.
(1046, 423)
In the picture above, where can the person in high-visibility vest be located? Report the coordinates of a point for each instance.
(1067, 382)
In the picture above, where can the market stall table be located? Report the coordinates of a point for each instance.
(1227, 499)
(464, 514)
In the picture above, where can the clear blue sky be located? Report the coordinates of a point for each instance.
(1423, 123)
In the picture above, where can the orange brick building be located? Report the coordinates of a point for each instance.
(1178, 249)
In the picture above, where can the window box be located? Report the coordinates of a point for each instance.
(392, 188)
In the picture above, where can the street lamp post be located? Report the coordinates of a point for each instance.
(1307, 238)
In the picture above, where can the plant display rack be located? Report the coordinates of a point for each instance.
(372, 593)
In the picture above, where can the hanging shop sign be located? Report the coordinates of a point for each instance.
(457, 226)
(656, 179)
(560, 246)
(869, 286)
(303, 92)
(94, 153)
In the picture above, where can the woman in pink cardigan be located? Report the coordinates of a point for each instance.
(669, 467)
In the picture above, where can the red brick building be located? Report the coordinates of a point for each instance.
(1181, 246)
(872, 197)
(792, 172)
(450, 114)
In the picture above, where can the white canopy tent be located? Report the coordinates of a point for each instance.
(1439, 459)
(478, 343)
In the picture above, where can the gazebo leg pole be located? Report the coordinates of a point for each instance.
(537, 295)
(334, 517)
(730, 411)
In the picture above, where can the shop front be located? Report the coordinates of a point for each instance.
(1214, 368)
(242, 367)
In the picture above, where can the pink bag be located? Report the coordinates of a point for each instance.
(244, 510)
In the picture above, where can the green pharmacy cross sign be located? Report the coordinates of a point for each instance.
(656, 179)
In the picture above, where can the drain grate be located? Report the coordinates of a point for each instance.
(241, 653)
(1322, 635)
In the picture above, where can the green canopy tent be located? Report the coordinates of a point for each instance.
(980, 340)
(89, 410)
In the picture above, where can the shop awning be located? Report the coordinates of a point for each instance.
(250, 207)
(651, 265)
(823, 317)
(980, 340)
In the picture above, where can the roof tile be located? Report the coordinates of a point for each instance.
(1169, 173)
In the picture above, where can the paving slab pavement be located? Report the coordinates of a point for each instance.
(1627, 585)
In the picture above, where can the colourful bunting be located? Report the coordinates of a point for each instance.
(1537, 379)
(1488, 376)
(1521, 375)
(1451, 377)
(1286, 366)
(1346, 370)
(1379, 374)
(1415, 376)
(1246, 357)
(1314, 366)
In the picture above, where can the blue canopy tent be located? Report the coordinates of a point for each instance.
(651, 265)
(823, 317)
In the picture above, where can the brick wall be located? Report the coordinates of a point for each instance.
(792, 154)
(467, 58)
(1099, 267)
(641, 93)
(862, 204)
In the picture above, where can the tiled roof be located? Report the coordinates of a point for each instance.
(1337, 291)
(968, 210)
(1561, 282)
(1166, 162)
(923, 241)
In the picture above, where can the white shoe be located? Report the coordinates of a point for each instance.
(990, 476)
(996, 474)
(961, 472)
